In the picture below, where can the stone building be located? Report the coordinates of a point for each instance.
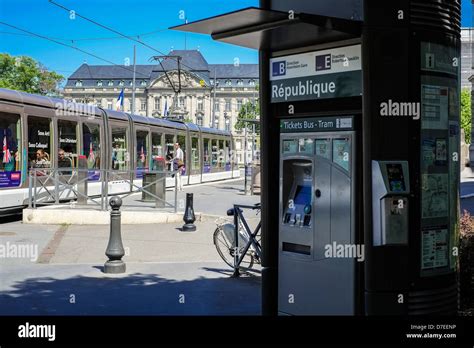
(227, 86)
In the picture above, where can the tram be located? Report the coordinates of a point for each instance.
(44, 132)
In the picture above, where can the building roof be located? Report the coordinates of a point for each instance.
(192, 60)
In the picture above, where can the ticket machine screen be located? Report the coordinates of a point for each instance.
(395, 177)
(303, 195)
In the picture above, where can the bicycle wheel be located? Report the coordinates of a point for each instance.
(226, 250)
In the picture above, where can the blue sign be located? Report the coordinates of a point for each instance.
(10, 179)
(279, 68)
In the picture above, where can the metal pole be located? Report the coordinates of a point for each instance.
(34, 196)
(214, 99)
(133, 81)
(56, 186)
(245, 158)
(30, 190)
(176, 192)
(236, 242)
(253, 142)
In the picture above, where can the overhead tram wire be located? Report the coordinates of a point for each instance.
(70, 46)
(114, 31)
(91, 38)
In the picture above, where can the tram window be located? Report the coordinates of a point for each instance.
(120, 156)
(169, 144)
(67, 139)
(91, 144)
(215, 153)
(206, 157)
(196, 165)
(221, 164)
(227, 153)
(39, 142)
(10, 132)
(142, 149)
(156, 151)
(182, 143)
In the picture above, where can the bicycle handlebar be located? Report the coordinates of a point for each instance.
(231, 211)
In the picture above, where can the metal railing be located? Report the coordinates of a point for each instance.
(92, 188)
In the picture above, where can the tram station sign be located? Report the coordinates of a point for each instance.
(314, 75)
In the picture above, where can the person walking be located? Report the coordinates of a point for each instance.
(178, 164)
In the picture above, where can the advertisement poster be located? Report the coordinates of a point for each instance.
(290, 146)
(434, 195)
(434, 107)
(340, 152)
(434, 248)
(10, 179)
(306, 145)
(322, 148)
(428, 146)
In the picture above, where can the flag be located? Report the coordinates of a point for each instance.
(119, 102)
(7, 157)
(165, 113)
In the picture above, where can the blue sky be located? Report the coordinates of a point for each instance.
(129, 17)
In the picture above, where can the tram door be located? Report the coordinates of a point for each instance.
(316, 221)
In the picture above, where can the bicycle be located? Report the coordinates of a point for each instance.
(247, 251)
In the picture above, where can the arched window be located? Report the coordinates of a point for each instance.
(110, 83)
(78, 83)
(99, 83)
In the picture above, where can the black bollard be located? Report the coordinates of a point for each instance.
(115, 249)
(189, 217)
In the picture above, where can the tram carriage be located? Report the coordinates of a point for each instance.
(43, 132)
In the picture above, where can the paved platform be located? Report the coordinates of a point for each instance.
(169, 272)
(209, 199)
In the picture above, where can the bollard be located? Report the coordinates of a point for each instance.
(189, 217)
(115, 250)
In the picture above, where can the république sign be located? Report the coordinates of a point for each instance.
(323, 74)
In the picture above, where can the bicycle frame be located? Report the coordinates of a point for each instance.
(238, 215)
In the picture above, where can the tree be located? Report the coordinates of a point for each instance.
(466, 115)
(248, 111)
(25, 74)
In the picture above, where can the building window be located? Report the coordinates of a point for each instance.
(217, 106)
(131, 83)
(99, 83)
(143, 105)
(109, 104)
(240, 83)
(181, 101)
(212, 82)
(79, 83)
(122, 83)
(239, 104)
(200, 105)
(110, 83)
(227, 124)
(157, 103)
(228, 83)
(199, 121)
(227, 105)
(142, 83)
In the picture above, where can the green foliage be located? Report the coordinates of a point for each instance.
(466, 115)
(248, 111)
(25, 74)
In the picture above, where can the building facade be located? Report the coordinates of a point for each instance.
(211, 95)
(467, 62)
